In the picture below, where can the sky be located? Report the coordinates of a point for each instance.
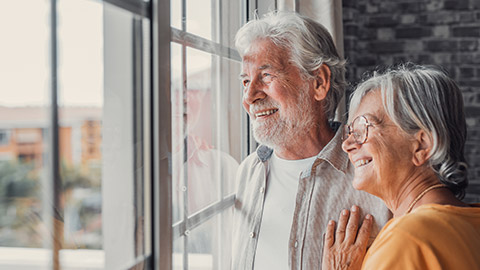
(25, 50)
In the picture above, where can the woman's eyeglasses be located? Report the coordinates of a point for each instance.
(358, 128)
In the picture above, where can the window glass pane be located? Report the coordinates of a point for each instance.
(178, 116)
(24, 141)
(208, 137)
(125, 149)
(209, 244)
(176, 13)
(201, 159)
(80, 47)
(201, 15)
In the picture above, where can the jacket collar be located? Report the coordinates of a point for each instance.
(332, 152)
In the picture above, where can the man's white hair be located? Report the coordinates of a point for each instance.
(309, 44)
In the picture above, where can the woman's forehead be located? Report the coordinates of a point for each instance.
(370, 105)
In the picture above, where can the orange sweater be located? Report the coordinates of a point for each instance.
(431, 237)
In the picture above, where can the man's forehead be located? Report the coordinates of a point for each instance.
(265, 60)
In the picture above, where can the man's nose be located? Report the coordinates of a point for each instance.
(254, 91)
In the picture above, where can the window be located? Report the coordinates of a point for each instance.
(75, 134)
(207, 141)
(104, 104)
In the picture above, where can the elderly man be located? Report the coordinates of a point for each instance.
(299, 177)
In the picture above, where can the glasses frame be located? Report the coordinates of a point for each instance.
(348, 130)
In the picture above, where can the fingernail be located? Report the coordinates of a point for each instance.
(344, 212)
(368, 216)
(354, 208)
(330, 222)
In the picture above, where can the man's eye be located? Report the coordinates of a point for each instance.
(267, 77)
(245, 83)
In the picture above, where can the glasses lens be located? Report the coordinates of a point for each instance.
(359, 129)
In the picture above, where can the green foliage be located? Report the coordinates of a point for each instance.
(17, 180)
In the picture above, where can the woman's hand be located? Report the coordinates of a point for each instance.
(345, 248)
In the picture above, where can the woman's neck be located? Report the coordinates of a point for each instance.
(420, 189)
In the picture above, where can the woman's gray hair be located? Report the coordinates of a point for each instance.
(425, 98)
(309, 43)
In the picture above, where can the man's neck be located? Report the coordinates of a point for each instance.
(308, 145)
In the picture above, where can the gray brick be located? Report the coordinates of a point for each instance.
(467, 58)
(467, 17)
(350, 30)
(413, 46)
(442, 58)
(411, 7)
(441, 18)
(412, 32)
(468, 45)
(441, 45)
(466, 72)
(408, 19)
(473, 83)
(472, 111)
(385, 33)
(467, 31)
(350, 3)
(434, 5)
(366, 60)
(456, 4)
(387, 47)
(441, 31)
(372, 8)
(383, 21)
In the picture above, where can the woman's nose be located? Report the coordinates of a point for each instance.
(349, 144)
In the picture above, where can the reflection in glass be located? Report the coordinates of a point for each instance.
(203, 169)
(178, 116)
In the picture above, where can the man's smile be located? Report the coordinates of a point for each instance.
(265, 113)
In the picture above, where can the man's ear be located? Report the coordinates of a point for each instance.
(422, 147)
(322, 82)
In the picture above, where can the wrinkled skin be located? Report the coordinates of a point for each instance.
(345, 246)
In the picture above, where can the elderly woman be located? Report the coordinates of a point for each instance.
(406, 139)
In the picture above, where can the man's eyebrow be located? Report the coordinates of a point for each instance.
(267, 66)
(263, 67)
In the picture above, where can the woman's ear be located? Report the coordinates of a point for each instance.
(422, 147)
(322, 82)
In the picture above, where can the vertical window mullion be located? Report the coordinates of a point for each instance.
(185, 152)
(161, 136)
(54, 212)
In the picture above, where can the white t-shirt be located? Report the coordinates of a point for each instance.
(274, 233)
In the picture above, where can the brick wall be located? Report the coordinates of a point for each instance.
(441, 32)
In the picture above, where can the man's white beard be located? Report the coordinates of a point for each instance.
(289, 127)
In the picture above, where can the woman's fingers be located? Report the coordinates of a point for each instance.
(341, 227)
(345, 246)
(329, 234)
(352, 225)
(364, 232)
